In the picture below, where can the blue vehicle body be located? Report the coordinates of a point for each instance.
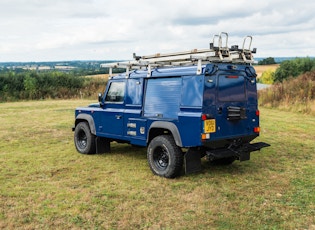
(182, 106)
(176, 99)
(214, 113)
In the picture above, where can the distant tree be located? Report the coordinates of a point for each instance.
(267, 61)
(30, 86)
(267, 77)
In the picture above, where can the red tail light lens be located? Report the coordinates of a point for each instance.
(203, 117)
(257, 113)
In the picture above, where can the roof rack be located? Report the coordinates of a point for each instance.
(217, 52)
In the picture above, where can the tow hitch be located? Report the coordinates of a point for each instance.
(241, 152)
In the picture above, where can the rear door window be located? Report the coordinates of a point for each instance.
(231, 88)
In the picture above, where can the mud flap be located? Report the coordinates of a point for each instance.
(244, 156)
(102, 145)
(192, 161)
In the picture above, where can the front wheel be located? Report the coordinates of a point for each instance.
(165, 158)
(84, 140)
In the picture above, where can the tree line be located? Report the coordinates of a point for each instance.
(22, 84)
(287, 69)
(26, 85)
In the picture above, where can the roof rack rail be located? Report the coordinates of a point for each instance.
(217, 52)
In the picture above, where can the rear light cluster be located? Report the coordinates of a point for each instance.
(205, 136)
(257, 129)
(204, 117)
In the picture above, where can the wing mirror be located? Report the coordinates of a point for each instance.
(100, 99)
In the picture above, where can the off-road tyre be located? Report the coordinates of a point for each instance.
(84, 140)
(165, 158)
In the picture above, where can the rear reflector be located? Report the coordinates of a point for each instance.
(232, 76)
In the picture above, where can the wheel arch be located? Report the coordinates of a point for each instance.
(89, 119)
(162, 127)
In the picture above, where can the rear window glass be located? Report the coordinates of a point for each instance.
(231, 88)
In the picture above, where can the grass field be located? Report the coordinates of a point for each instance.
(46, 184)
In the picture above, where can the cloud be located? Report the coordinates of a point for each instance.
(96, 29)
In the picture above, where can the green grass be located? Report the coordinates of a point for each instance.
(46, 184)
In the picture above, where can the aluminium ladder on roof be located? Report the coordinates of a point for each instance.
(217, 52)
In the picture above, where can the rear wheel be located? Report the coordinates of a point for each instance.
(84, 140)
(165, 158)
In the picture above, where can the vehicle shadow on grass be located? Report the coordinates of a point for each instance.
(133, 151)
(236, 168)
(140, 153)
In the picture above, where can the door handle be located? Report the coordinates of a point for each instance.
(118, 117)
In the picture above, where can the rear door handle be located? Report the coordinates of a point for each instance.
(118, 117)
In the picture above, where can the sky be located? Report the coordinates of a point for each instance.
(64, 30)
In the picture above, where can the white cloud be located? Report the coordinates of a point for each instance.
(35, 30)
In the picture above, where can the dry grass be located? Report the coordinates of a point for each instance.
(295, 94)
(46, 184)
(262, 68)
(101, 76)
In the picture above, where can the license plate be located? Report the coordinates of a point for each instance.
(209, 126)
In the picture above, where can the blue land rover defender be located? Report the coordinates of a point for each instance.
(182, 106)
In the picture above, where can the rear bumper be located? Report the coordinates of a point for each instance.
(241, 152)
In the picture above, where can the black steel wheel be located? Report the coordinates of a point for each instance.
(84, 140)
(165, 158)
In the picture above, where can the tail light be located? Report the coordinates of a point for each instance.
(205, 136)
(257, 113)
(206, 116)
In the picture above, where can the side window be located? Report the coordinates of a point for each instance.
(116, 92)
(134, 89)
(163, 97)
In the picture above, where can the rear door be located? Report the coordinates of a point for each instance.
(231, 104)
